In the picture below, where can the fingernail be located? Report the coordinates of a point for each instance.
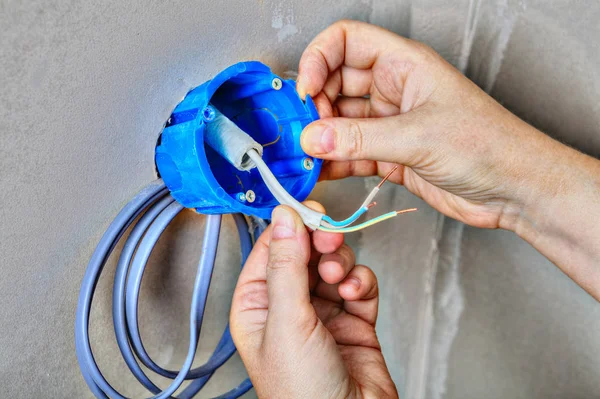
(354, 283)
(300, 87)
(284, 225)
(318, 139)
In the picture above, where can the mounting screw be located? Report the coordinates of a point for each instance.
(208, 114)
(308, 164)
(241, 197)
(250, 196)
(276, 83)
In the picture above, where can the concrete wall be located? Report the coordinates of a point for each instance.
(86, 88)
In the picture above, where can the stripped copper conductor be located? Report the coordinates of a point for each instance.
(387, 176)
(406, 211)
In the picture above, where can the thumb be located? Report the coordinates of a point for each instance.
(389, 139)
(287, 268)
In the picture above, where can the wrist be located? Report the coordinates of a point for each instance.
(559, 212)
(567, 193)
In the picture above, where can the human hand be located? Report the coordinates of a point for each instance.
(460, 150)
(387, 100)
(303, 317)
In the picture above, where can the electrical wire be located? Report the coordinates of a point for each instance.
(341, 227)
(317, 220)
(368, 223)
(310, 217)
(346, 222)
(157, 209)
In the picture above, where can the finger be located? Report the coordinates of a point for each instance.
(313, 269)
(328, 292)
(350, 82)
(345, 328)
(349, 107)
(250, 304)
(351, 43)
(324, 106)
(335, 170)
(287, 272)
(314, 205)
(335, 266)
(333, 86)
(360, 293)
(313, 277)
(355, 82)
(255, 267)
(396, 139)
(325, 98)
(323, 242)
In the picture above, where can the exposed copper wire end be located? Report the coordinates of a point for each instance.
(406, 211)
(387, 176)
(371, 205)
(272, 142)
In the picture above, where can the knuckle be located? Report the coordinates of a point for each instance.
(252, 296)
(347, 254)
(315, 60)
(423, 50)
(343, 23)
(282, 260)
(305, 320)
(374, 291)
(353, 140)
(369, 277)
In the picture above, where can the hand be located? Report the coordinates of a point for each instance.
(388, 100)
(303, 319)
(458, 147)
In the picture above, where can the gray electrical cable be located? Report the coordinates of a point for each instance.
(157, 208)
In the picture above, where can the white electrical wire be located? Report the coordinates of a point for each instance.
(243, 152)
(311, 218)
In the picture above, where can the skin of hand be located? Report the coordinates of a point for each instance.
(387, 100)
(303, 316)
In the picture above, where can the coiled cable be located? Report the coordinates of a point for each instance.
(158, 209)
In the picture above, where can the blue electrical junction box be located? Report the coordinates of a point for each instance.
(264, 106)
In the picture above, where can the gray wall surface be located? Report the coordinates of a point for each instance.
(86, 89)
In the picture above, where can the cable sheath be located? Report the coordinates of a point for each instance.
(157, 209)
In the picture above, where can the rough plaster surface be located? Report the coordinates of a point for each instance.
(553, 79)
(85, 91)
(525, 328)
(527, 331)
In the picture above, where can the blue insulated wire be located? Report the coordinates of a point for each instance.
(346, 222)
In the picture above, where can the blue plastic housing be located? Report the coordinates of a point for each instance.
(271, 112)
